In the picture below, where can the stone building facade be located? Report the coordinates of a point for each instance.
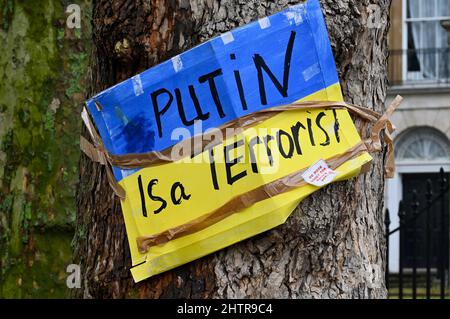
(419, 70)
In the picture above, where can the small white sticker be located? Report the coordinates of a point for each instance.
(227, 37)
(319, 174)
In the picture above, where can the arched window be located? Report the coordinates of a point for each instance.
(422, 144)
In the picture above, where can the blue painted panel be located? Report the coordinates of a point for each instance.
(278, 59)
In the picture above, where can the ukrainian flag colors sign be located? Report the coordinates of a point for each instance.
(249, 180)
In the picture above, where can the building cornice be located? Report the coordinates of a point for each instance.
(419, 89)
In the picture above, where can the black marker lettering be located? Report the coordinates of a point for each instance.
(213, 88)
(296, 135)
(182, 113)
(141, 192)
(280, 144)
(261, 65)
(230, 163)
(310, 131)
(158, 112)
(212, 165)
(200, 115)
(251, 146)
(156, 198)
(237, 77)
(267, 139)
(181, 109)
(327, 139)
(183, 195)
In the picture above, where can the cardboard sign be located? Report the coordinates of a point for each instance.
(252, 179)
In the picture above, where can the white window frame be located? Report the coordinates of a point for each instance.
(405, 74)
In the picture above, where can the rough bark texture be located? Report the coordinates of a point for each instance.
(332, 245)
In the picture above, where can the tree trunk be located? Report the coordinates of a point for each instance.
(332, 246)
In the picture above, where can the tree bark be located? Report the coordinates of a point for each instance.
(332, 246)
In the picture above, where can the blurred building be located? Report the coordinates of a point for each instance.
(419, 70)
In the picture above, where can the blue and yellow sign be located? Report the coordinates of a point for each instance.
(248, 181)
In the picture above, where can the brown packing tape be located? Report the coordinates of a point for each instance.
(129, 161)
(243, 201)
(139, 160)
(91, 128)
(91, 151)
(242, 123)
(98, 153)
(389, 167)
(384, 124)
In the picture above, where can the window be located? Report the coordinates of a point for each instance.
(422, 144)
(426, 40)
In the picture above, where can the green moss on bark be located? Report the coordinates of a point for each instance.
(43, 65)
